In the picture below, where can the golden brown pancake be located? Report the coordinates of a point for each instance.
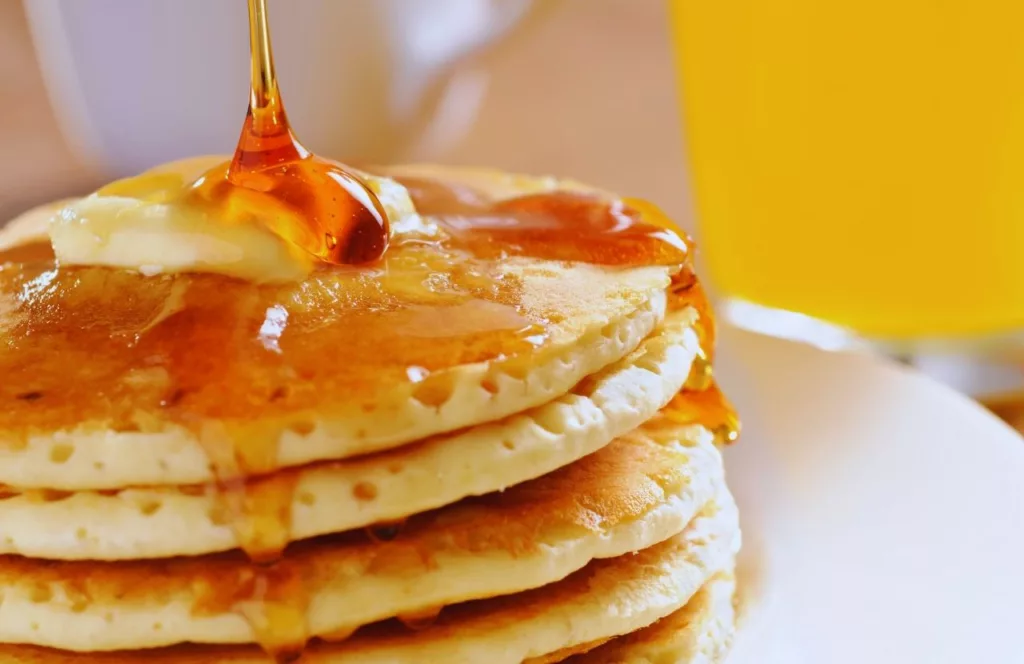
(637, 491)
(607, 598)
(326, 369)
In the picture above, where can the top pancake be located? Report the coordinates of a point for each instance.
(190, 378)
(335, 496)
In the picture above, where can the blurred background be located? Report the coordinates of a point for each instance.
(585, 87)
(852, 172)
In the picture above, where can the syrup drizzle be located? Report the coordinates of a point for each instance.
(315, 203)
(707, 407)
(273, 599)
(701, 401)
(420, 620)
(384, 532)
(327, 211)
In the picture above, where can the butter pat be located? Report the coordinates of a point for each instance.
(147, 224)
(156, 238)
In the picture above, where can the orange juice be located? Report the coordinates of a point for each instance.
(860, 162)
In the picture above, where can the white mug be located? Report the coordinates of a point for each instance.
(135, 83)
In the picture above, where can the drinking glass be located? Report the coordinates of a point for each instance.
(858, 173)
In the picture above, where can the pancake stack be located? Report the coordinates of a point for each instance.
(500, 445)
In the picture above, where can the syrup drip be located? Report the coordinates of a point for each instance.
(274, 600)
(686, 291)
(701, 401)
(258, 511)
(384, 532)
(311, 202)
(709, 408)
(702, 375)
(420, 620)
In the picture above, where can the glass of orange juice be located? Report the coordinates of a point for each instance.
(862, 164)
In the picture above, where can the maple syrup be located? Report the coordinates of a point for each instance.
(273, 599)
(701, 401)
(420, 620)
(27, 253)
(384, 532)
(317, 204)
(707, 407)
(558, 225)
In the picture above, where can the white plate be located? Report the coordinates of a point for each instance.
(883, 513)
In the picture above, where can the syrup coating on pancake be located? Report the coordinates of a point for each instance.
(193, 348)
(211, 347)
(239, 364)
(212, 353)
(559, 225)
(615, 233)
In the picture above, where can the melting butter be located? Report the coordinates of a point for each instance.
(150, 224)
